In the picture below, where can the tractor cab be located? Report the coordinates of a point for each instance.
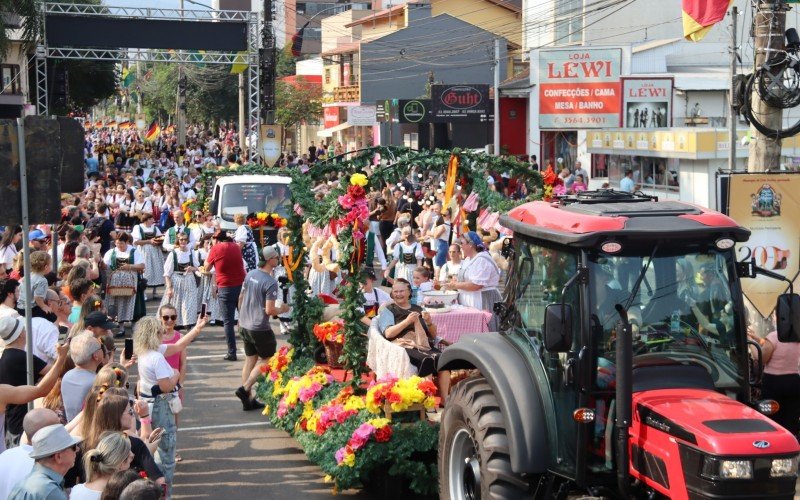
(626, 316)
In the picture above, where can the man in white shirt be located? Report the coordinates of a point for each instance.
(627, 184)
(16, 462)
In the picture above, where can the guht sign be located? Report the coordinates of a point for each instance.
(579, 88)
(460, 103)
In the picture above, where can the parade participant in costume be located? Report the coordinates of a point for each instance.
(147, 237)
(478, 277)
(246, 241)
(441, 237)
(374, 250)
(374, 298)
(208, 285)
(125, 264)
(172, 233)
(406, 325)
(406, 257)
(181, 283)
(450, 269)
(320, 279)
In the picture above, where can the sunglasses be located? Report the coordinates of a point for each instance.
(170, 318)
(75, 448)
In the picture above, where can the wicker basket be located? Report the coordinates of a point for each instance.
(333, 351)
(121, 291)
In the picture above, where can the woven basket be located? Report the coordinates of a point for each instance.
(333, 352)
(121, 291)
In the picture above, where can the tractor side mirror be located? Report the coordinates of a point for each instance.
(788, 317)
(558, 327)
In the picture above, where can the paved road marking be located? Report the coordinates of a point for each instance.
(212, 427)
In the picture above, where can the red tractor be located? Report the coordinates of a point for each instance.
(622, 368)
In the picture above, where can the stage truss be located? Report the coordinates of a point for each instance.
(250, 57)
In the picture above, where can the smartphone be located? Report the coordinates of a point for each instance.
(203, 309)
(128, 348)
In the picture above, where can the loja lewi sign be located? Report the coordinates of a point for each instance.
(580, 88)
(769, 206)
(647, 102)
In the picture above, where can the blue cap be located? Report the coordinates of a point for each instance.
(476, 240)
(36, 234)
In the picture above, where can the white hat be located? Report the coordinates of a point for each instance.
(10, 329)
(50, 440)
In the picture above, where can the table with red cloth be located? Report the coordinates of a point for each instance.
(460, 320)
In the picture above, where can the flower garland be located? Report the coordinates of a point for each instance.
(336, 411)
(278, 363)
(263, 219)
(330, 332)
(302, 389)
(377, 428)
(400, 394)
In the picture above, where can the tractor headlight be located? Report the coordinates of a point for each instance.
(783, 467)
(716, 468)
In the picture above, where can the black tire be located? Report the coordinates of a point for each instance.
(473, 415)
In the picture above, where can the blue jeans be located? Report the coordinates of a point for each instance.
(161, 416)
(228, 299)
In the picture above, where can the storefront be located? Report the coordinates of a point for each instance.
(348, 126)
(676, 163)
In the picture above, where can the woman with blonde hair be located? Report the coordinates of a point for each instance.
(158, 383)
(112, 454)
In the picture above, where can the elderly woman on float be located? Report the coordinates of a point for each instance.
(478, 277)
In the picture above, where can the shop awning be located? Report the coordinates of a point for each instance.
(328, 132)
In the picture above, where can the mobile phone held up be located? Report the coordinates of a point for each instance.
(203, 309)
(128, 348)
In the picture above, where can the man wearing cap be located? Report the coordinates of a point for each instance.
(37, 240)
(54, 451)
(16, 463)
(256, 304)
(88, 354)
(98, 324)
(13, 371)
(226, 258)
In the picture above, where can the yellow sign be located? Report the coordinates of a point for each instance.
(769, 206)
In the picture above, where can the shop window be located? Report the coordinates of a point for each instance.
(648, 172)
(569, 22)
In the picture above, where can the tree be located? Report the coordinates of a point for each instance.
(297, 102)
(25, 14)
(285, 65)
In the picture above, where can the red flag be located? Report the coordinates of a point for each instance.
(699, 16)
(297, 41)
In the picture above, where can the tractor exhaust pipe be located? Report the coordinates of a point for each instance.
(624, 391)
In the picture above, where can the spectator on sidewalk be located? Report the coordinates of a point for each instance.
(54, 451)
(87, 352)
(16, 463)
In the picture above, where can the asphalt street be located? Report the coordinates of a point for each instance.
(229, 453)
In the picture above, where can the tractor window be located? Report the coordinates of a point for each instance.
(682, 312)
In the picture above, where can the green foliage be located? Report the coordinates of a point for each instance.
(159, 93)
(90, 82)
(285, 65)
(299, 102)
(30, 18)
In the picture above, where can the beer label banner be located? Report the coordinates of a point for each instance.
(769, 206)
(460, 103)
(647, 102)
(580, 88)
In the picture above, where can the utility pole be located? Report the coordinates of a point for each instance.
(769, 25)
(180, 115)
(732, 115)
(496, 140)
(242, 111)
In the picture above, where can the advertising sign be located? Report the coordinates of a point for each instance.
(361, 115)
(386, 110)
(331, 116)
(647, 102)
(769, 206)
(415, 111)
(460, 103)
(579, 88)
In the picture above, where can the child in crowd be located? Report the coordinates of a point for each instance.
(421, 283)
(40, 266)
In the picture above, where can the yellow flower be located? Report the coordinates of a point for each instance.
(275, 216)
(265, 412)
(379, 423)
(328, 478)
(354, 403)
(359, 180)
(261, 216)
(349, 459)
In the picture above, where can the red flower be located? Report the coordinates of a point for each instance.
(143, 474)
(427, 386)
(383, 434)
(394, 398)
(356, 191)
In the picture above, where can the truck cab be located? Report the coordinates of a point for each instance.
(622, 368)
(249, 194)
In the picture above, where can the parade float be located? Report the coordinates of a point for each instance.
(361, 431)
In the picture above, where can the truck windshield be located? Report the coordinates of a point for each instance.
(683, 312)
(250, 198)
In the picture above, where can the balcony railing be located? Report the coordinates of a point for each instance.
(349, 93)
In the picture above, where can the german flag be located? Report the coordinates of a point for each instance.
(87, 124)
(124, 125)
(153, 132)
(98, 124)
(112, 124)
(699, 16)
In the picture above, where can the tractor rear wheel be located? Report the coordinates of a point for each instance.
(474, 456)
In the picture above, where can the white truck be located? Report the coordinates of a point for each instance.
(249, 194)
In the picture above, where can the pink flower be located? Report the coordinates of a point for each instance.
(298, 209)
(361, 436)
(358, 235)
(340, 455)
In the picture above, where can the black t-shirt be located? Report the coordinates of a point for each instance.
(104, 229)
(13, 372)
(143, 460)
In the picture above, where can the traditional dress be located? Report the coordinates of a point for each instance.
(321, 282)
(115, 259)
(250, 251)
(185, 297)
(407, 257)
(171, 237)
(208, 287)
(480, 270)
(153, 256)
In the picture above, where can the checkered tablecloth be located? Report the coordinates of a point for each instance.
(460, 321)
